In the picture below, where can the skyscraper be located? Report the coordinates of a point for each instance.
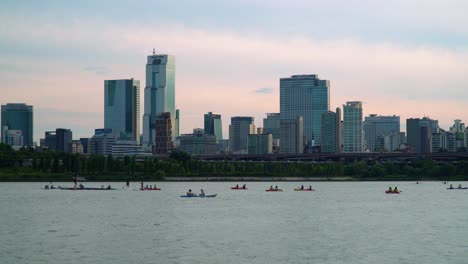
(213, 125)
(331, 128)
(352, 127)
(379, 126)
(159, 95)
(306, 96)
(18, 117)
(122, 108)
(239, 130)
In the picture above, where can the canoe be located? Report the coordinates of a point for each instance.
(85, 189)
(279, 190)
(392, 192)
(462, 188)
(157, 189)
(303, 190)
(234, 188)
(198, 196)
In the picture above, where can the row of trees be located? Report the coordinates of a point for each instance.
(181, 164)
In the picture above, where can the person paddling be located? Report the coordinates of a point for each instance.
(202, 193)
(310, 187)
(302, 187)
(190, 193)
(243, 186)
(390, 189)
(395, 190)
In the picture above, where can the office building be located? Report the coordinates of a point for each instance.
(123, 148)
(292, 136)
(14, 138)
(213, 125)
(63, 140)
(18, 117)
(379, 126)
(352, 127)
(50, 140)
(260, 144)
(198, 143)
(309, 97)
(159, 96)
(331, 132)
(239, 130)
(77, 147)
(163, 134)
(85, 144)
(122, 108)
(102, 141)
(271, 125)
(419, 131)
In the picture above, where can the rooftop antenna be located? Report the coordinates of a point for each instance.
(154, 52)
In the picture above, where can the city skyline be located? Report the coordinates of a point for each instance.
(394, 70)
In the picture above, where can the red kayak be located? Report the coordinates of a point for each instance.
(235, 188)
(274, 190)
(157, 189)
(398, 192)
(303, 190)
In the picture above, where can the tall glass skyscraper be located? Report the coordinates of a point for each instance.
(122, 108)
(18, 117)
(213, 125)
(352, 127)
(159, 95)
(306, 96)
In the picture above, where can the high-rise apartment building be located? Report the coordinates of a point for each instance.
(379, 126)
(306, 96)
(122, 108)
(331, 132)
(159, 96)
(50, 140)
(213, 125)
(352, 127)
(239, 130)
(292, 135)
(18, 117)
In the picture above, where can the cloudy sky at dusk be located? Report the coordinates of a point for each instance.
(408, 58)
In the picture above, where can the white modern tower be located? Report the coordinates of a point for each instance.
(159, 96)
(122, 108)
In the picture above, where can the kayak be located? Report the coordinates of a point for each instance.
(303, 190)
(234, 188)
(198, 196)
(279, 190)
(392, 192)
(462, 188)
(157, 189)
(86, 189)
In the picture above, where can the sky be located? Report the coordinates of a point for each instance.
(406, 58)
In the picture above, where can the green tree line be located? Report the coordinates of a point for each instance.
(27, 164)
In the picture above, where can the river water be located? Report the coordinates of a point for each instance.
(341, 222)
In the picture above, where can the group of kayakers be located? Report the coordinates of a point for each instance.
(237, 187)
(451, 187)
(147, 187)
(395, 190)
(191, 194)
(274, 189)
(302, 188)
